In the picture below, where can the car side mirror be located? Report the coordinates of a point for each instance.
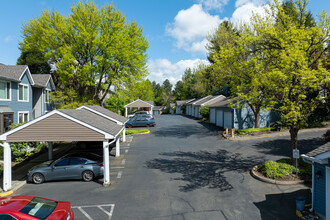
(54, 167)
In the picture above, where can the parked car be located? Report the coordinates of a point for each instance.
(139, 113)
(139, 121)
(84, 166)
(30, 207)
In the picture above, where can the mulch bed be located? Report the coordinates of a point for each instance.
(291, 177)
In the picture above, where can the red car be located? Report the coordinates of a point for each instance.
(34, 208)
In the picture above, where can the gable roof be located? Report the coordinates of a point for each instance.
(139, 104)
(86, 118)
(41, 80)
(320, 150)
(94, 120)
(224, 102)
(202, 100)
(15, 72)
(182, 102)
(105, 113)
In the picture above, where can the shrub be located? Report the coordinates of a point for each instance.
(273, 169)
(143, 130)
(252, 130)
(204, 111)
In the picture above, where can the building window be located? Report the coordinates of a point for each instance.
(4, 90)
(47, 96)
(23, 93)
(23, 117)
(7, 121)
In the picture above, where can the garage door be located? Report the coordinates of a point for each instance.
(219, 118)
(228, 120)
(155, 112)
(212, 115)
(197, 112)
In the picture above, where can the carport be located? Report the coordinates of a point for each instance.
(87, 123)
(140, 105)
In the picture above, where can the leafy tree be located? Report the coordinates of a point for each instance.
(293, 50)
(89, 50)
(115, 104)
(205, 111)
(178, 91)
(137, 90)
(36, 61)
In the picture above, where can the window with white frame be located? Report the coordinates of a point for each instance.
(47, 95)
(4, 90)
(23, 117)
(23, 92)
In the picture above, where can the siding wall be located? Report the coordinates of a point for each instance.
(319, 190)
(55, 128)
(14, 104)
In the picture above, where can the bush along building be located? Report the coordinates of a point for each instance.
(23, 96)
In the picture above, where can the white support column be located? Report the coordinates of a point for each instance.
(106, 164)
(6, 166)
(118, 147)
(50, 150)
(151, 111)
(126, 112)
(124, 134)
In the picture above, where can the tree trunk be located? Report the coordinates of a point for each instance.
(294, 143)
(257, 119)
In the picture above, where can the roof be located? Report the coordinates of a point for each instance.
(12, 72)
(172, 105)
(157, 108)
(190, 101)
(41, 80)
(320, 150)
(203, 100)
(182, 102)
(224, 102)
(105, 112)
(94, 120)
(150, 102)
(139, 104)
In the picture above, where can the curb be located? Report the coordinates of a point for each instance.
(285, 133)
(267, 180)
(16, 186)
(145, 132)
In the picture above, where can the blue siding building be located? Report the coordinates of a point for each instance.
(23, 96)
(320, 159)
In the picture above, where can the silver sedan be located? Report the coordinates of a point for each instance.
(85, 166)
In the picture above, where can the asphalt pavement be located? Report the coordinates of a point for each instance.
(185, 169)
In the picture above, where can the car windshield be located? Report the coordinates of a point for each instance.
(39, 208)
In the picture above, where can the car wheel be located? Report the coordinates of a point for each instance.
(129, 126)
(148, 125)
(38, 178)
(87, 175)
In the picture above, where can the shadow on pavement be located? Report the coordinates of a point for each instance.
(282, 147)
(203, 168)
(281, 206)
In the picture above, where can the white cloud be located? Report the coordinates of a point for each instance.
(244, 12)
(213, 4)
(162, 69)
(190, 28)
(239, 3)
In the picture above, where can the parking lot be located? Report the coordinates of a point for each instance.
(184, 169)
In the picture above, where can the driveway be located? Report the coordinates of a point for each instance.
(184, 169)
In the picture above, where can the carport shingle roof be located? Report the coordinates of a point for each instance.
(320, 150)
(107, 113)
(139, 104)
(203, 100)
(157, 108)
(94, 120)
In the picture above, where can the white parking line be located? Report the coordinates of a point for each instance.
(128, 144)
(101, 207)
(119, 174)
(117, 167)
(123, 161)
(126, 151)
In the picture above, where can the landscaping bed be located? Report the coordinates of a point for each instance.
(281, 171)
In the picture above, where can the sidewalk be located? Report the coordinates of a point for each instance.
(273, 134)
(19, 171)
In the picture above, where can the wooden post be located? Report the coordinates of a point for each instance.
(226, 131)
(232, 132)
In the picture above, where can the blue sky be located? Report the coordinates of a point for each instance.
(175, 29)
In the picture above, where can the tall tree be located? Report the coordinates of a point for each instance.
(293, 50)
(89, 50)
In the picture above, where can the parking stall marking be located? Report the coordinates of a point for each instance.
(126, 151)
(100, 207)
(123, 161)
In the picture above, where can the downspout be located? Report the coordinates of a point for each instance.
(310, 160)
